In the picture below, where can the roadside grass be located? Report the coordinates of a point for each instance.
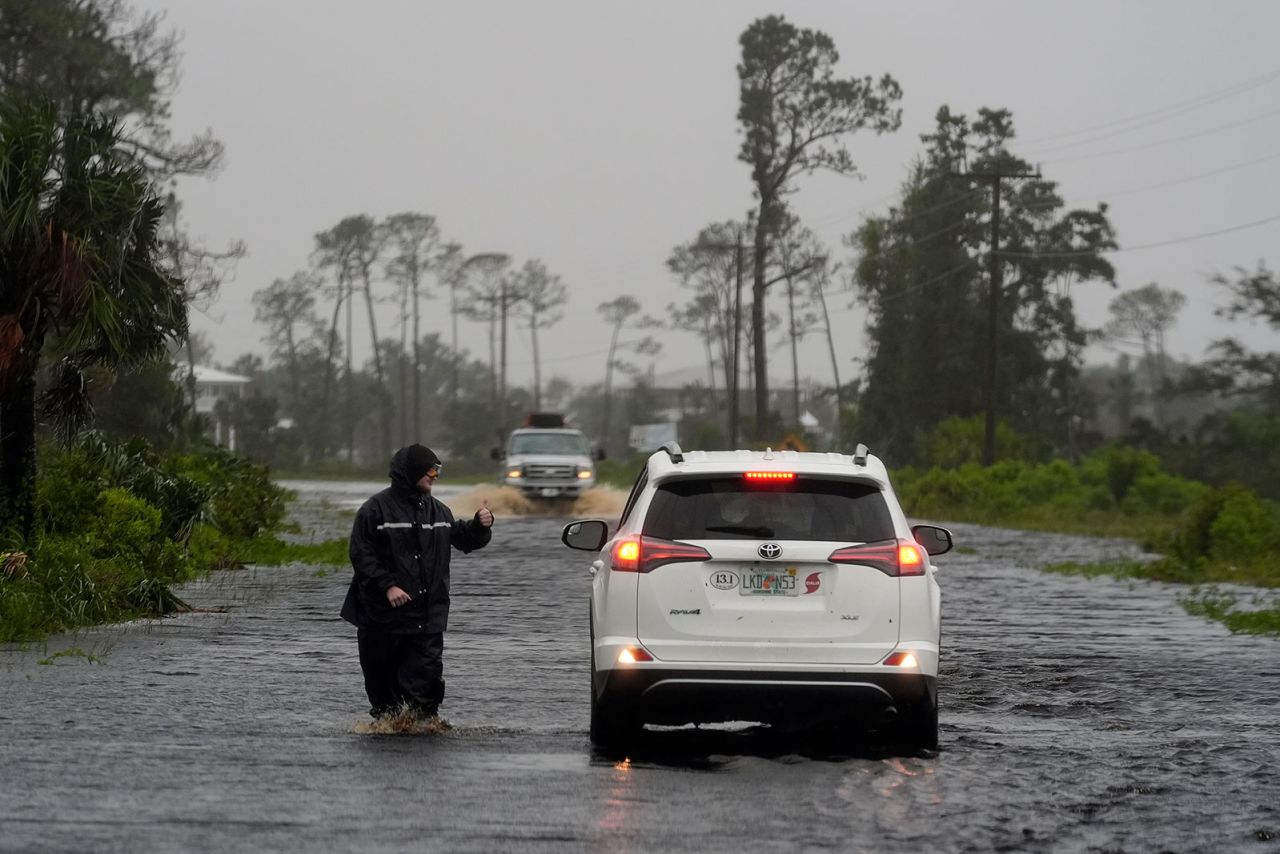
(1217, 605)
(272, 551)
(1261, 618)
(71, 652)
(1194, 533)
(1145, 529)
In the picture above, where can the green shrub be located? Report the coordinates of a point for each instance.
(242, 500)
(1246, 528)
(1162, 494)
(71, 479)
(958, 441)
(1124, 466)
(118, 525)
(1229, 534)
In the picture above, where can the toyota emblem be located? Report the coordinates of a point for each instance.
(769, 551)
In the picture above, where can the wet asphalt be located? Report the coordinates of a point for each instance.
(1076, 715)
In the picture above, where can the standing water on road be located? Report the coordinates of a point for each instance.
(1076, 715)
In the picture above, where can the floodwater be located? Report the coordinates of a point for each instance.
(1077, 715)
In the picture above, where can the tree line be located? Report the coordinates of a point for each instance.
(967, 268)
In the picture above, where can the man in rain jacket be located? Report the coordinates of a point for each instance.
(399, 594)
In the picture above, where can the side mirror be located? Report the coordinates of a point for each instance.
(936, 541)
(599, 454)
(495, 454)
(589, 535)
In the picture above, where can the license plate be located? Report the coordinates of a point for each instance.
(769, 582)
(550, 492)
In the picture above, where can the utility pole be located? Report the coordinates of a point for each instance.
(502, 376)
(993, 308)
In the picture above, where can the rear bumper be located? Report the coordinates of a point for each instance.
(670, 696)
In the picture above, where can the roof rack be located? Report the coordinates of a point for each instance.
(860, 455)
(673, 451)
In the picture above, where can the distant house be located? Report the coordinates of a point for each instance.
(213, 385)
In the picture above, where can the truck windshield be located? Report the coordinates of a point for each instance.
(549, 443)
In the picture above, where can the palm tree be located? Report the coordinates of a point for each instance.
(81, 281)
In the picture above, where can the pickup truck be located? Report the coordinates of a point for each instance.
(545, 459)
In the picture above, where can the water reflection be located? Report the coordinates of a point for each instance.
(615, 812)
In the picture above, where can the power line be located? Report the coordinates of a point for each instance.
(1187, 239)
(1177, 108)
(1187, 179)
(1167, 141)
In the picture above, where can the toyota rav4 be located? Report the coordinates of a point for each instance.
(770, 586)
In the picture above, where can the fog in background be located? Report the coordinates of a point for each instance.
(596, 136)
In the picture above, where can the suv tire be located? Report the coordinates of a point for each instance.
(610, 728)
(917, 725)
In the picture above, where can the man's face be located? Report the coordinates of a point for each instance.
(424, 482)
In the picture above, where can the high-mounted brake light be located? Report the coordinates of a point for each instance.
(769, 475)
(892, 557)
(645, 554)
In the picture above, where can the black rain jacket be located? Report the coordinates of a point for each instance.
(402, 537)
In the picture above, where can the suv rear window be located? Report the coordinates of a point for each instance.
(803, 509)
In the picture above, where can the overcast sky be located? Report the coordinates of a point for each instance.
(596, 135)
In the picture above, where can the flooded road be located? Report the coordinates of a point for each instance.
(1077, 715)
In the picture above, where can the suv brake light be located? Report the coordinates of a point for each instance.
(769, 475)
(892, 557)
(644, 554)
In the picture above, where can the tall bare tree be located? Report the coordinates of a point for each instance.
(707, 265)
(413, 241)
(542, 296)
(802, 258)
(450, 267)
(287, 308)
(487, 285)
(621, 312)
(1143, 316)
(795, 114)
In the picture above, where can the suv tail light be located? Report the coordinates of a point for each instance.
(892, 557)
(644, 554)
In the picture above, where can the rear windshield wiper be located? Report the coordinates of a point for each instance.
(748, 530)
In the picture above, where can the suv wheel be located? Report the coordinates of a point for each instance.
(917, 725)
(610, 728)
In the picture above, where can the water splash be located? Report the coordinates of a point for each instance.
(507, 501)
(404, 723)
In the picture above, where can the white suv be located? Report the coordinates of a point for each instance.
(771, 586)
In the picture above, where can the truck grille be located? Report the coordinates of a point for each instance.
(535, 471)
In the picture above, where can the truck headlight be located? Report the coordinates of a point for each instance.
(584, 474)
(514, 474)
